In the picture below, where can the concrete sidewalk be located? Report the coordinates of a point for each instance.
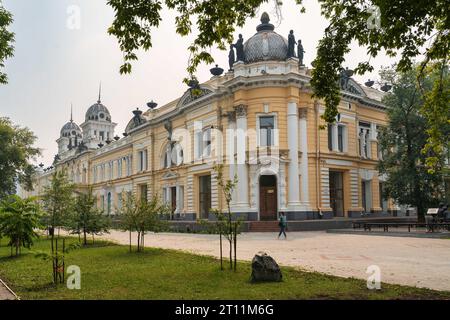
(406, 261)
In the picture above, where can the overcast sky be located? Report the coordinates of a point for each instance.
(55, 66)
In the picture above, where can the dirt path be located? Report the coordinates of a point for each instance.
(408, 261)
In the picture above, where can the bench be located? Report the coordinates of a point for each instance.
(367, 226)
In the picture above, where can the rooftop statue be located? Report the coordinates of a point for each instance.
(300, 52)
(291, 44)
(231, 57)
(239, 45)
(168, 127)
(345, 75)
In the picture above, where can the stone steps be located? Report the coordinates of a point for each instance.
(264, 226)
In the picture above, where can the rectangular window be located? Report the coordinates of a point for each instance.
(102, 202)
(207, 142)
(143, 160)
(330, 137)
(341, 138)
(119, 201)
(119, 168)
(102, 136)
(143, 192)
(111, 170)
(128, 161)
(266, 131)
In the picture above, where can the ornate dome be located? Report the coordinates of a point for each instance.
(70, 129)
(266, 44)
(98, 112)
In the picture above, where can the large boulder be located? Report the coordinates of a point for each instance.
(265, 268)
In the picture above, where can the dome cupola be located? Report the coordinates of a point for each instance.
(70, 136)
(71, 129)
(98, 112)
(266, 44)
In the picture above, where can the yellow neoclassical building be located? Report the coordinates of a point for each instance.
(260, 120)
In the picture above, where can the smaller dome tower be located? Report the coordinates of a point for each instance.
(97, 127)
(70, 136)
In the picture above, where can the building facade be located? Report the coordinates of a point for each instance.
(260, 120)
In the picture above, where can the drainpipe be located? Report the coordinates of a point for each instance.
(318, 181)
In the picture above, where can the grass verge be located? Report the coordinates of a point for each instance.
(109, 271)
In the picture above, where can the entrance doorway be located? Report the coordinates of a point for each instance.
(205, 196)
(337, 193)
(173, 198)
(268, 201)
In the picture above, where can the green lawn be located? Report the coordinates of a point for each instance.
(111, 272)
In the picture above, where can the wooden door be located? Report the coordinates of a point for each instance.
(268, 201)
(337, 193)
(174, 198)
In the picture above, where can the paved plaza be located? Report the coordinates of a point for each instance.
(408, 261)
(5, 294)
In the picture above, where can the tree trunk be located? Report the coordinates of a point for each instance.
(235, 245)
(221, 257)
(230, 239)
(53, 261)
(85, 237)
(231, 250)
(138, 241)
(420, 213)
(130, 240)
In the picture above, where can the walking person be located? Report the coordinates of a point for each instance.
(283, 225)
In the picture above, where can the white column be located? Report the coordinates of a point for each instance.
(334, 141)
(230, 148)
(180, 199)
(368, 142)
(241, 146)
(292, 123)
(304, 150)
(361, 143)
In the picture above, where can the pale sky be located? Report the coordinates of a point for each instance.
(54, 66)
